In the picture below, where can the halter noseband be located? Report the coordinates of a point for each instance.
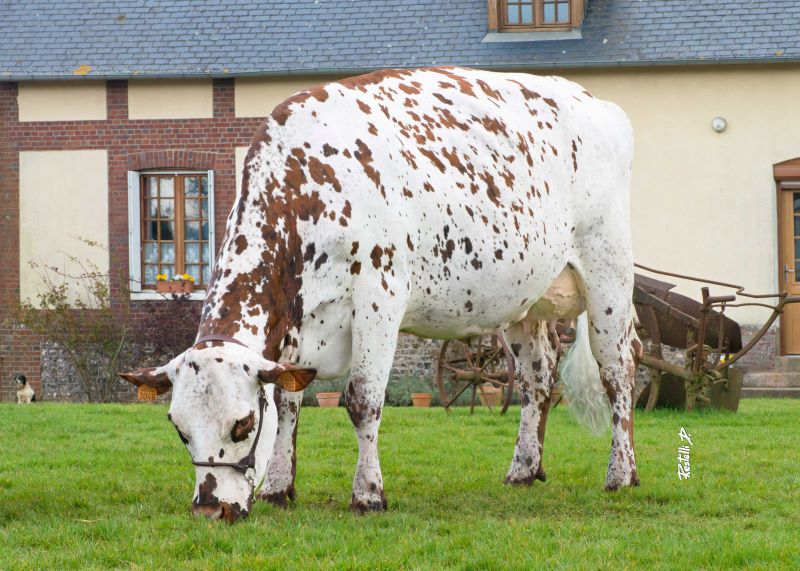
(249, 461)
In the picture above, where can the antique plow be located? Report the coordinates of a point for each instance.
(712, 341)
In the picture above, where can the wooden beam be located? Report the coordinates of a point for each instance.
(491, 6)
(576, 13)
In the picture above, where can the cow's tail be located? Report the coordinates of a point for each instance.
(582, 387)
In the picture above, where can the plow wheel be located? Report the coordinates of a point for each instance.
(474, 365)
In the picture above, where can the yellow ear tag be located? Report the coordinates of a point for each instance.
(146, 393)
(288, 383)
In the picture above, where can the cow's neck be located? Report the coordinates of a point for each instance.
(260, 320)
(254, 294)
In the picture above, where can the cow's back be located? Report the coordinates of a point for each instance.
(463, 188)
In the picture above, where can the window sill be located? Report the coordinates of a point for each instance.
(155, 296)
(512, 37)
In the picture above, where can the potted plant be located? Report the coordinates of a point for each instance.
(421, 396)
(490, 395)
(328, 399)
(421, 400)
(180, 284)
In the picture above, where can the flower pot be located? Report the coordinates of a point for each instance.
(557, 396)
(175, 286)
(328, 400)
(490, 395)
(421, 400)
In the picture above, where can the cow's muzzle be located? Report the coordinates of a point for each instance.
(230, 513)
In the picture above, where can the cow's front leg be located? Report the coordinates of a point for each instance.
(282, 466)
(375, 334)
(536, 355)
(364, 402)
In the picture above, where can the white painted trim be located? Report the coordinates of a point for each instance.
(134, 237)
(513, 37)
(211, 216)
(152, 295)
(147, 172)
(135, 240)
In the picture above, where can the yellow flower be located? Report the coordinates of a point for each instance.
(161, 277)
(188, 277)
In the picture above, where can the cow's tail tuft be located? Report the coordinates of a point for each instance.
(582, 387)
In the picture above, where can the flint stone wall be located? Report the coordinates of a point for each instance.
(414, 370)
(414, 365)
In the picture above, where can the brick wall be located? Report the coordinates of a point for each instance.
(129, 143)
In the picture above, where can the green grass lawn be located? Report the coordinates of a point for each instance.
(88, 486)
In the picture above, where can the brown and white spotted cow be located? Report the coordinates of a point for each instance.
(443, 202)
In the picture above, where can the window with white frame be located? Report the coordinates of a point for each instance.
(171, 226)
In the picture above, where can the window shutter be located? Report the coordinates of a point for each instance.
(211, 218)
(134, 238)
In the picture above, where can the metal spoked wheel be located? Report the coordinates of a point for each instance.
(479, 364)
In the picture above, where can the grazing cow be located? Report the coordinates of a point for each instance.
(443, 202)
(25, 394)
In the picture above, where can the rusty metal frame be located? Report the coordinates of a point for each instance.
(698, 372)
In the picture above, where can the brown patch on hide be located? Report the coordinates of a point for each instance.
(205, 492)
(376, 254)
(551, 103)
(463, 84)
(361, 81)
(241, 244)
(322, 173)
(526, 93)
(284, 110)
(364, 107)
(443, 99)
(364, 156)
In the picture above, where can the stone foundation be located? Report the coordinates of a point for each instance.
(414, 369)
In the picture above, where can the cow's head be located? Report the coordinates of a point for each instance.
(215, 409)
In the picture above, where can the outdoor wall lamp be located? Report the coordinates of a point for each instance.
(719, 124)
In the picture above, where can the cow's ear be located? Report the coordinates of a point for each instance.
(288, 377)
(151, 377)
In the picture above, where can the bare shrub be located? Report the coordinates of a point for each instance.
(75, 311)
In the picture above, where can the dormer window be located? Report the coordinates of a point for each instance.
(535, 15)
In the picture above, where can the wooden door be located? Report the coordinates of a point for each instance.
(789, 262)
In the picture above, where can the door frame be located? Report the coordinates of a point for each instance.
(787, 179)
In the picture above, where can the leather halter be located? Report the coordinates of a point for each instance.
(217, 337)
(248, 462)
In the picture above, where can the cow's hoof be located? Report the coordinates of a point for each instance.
(279, 499)
(526, 480)
(372, 504)
(615, 483)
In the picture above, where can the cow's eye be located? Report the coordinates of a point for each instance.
(243, 427)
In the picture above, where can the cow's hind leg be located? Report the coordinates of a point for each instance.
(375, 331)
(282, 466)
(608, 290)
(536, 355)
